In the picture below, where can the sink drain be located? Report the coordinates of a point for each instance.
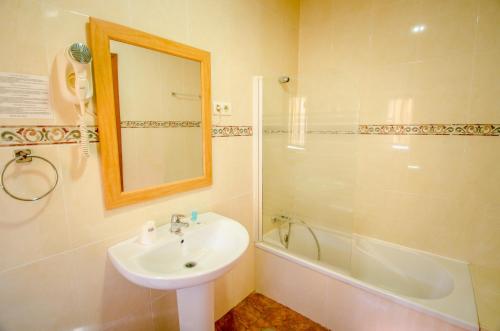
(190, 264)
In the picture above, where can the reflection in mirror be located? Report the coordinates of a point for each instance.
(158, 101)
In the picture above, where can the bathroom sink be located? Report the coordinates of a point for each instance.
(188, 263)
(205, 250)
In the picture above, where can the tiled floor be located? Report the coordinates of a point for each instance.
(259, 313)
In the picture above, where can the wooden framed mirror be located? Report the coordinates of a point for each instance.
(153, 111)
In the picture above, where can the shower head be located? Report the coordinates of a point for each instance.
(283, 79)
(80, 53)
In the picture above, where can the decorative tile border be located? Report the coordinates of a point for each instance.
(278, 131)
(57, 134)
(43, 135)
(433, 129)
(410, 129)
(12, 135)
(231, 131)
(159, 124)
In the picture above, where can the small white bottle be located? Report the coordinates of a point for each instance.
(148, 233)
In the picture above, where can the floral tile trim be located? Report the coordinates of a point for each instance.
(433, 129)
(231, 131)
(159, 124)
(43, 135)
(278, 131)
(59, 134)
(409, 129)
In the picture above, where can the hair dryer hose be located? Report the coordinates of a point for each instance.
(84, 138)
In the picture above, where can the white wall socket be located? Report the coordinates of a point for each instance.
(222, 108)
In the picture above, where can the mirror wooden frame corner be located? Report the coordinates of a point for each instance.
(100, 34)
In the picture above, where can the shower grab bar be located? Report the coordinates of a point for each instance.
(290, 221)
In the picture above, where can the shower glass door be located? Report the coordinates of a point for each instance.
(308, 175)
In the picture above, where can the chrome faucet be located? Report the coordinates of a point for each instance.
(176, 224)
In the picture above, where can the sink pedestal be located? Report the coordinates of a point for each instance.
(196, 307)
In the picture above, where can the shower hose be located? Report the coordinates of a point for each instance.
(282, 219)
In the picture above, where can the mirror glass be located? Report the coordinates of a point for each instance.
(159, 112)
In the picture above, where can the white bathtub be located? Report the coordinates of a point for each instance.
(429, 283)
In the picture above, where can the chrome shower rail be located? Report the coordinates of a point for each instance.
(290, 221)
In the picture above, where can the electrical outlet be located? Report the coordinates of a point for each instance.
(227, 110)
(217, 108)
(222, 108)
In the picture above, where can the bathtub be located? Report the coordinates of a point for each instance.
(425, 282)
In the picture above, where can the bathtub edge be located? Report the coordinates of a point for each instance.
(366, 287)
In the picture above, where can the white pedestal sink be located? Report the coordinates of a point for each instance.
(188, 263)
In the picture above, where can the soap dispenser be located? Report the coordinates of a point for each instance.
(148, 233)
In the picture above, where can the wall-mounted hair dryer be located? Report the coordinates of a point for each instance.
(80, 58)
(76, 84)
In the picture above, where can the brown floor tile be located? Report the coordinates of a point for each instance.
(259, 313)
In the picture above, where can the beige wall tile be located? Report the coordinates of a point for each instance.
(39, 296)
(227, 294)
(32, 230)
(84, 198)
(485, 89)
(387, 96)
(481, 195)
(165, 312)
(235, 285)
(448, 30)
(150, 17)
(105, 299)
(487, 290)
(441, 89)
(121, 12)
(488, 34)
(392, 37)
(456, 8)
(22, 38)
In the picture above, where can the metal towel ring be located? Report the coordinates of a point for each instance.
(23, 156)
